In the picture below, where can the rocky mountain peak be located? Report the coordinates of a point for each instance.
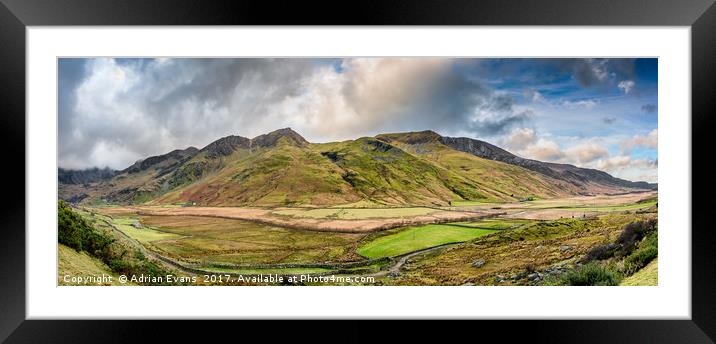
(226, 146)
(272, 138)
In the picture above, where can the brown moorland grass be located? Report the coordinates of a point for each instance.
(266, 217)
(209, 240)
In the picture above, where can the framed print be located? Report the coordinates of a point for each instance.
(452, 165)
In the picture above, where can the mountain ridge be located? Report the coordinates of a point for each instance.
(282, 168)
(575, 175)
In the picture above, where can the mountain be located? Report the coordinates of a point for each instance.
(140, 181)
(282, 168)
(90, 175)
(586, 178)
(276, 168)
(164, 163)
(285, 135)
(226, 146)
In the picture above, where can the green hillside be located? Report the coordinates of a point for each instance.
(281, 175)
(498, 180)
(384, 173)
(282, 169)
(75, 264)
(364, 169)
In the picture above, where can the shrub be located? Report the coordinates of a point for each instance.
(639, 259)
(630, 236)
(600, 252)
(119, 265)
(648, 250)
(75, 232)
(590, 274)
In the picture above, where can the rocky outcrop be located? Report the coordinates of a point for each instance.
(226, 146)
(271, 139)
(165, 161)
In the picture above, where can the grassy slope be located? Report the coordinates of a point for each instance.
(78, 264)
(202, 166)
(416, 238)
(498, 181)
(283, 175)
(385, 173)
(124, 255)
(362, 171)
(147, 185)
(647, 276)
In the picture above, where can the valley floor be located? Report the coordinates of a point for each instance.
(468, 243)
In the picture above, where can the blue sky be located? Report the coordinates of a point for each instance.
(599, 113)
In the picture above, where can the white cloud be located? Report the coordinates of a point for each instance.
(519, 138)
(586, 153)
(585, 104)
(625, 167)
(650, 140)
(368, 94)
(626, 85)
(599, 68)
(534, 95)
(544, 150)
(614, 163)
(590, 153)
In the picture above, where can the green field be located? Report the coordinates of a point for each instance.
(411, 239)
(143, 234)
(356, 213)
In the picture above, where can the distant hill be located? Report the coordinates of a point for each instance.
(590, 180)
(282, 168)
(90, 175)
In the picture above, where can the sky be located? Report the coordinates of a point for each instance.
(597, 113)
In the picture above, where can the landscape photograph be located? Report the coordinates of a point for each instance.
(357, 171)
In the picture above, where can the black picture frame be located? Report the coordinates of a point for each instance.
(16, 15)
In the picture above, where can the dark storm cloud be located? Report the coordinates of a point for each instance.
(597, 72)
(217, 83)
(131, 108)
(609, 120)
(115, 111)
(217, 79)
(72, 71)
(648, 108)
(456, 103)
